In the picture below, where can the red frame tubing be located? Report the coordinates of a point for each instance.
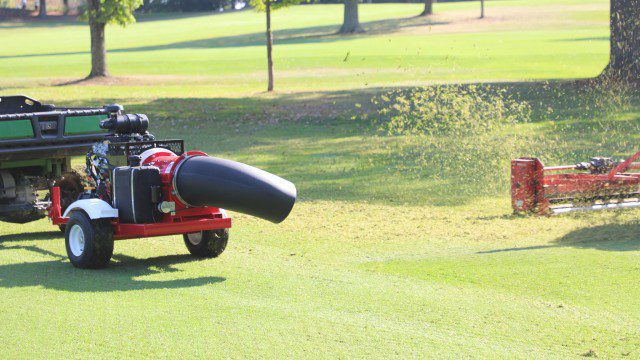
(534, 187)
(185, 221)
(131, 231)
(54, 210)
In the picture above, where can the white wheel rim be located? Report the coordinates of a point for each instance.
(76, 240)
(195, 239)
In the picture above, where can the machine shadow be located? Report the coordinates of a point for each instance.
(29, 236)
(122, 274)
(609, 237)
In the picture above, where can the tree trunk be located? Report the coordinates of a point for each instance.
(43, 9)
(428, 8)
(269, 46)
(624, 57)
(351, 23)
(65, 7)
(481, 9)
(98, 51)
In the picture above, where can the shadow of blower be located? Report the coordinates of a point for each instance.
(609, 237)
(122, 275)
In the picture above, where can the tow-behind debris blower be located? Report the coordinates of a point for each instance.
(599, 184)
(136, 186)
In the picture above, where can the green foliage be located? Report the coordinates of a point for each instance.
(114, 12)
(261, 5)
(447, 109)
(185, 5)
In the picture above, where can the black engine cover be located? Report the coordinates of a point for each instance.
(133, 189)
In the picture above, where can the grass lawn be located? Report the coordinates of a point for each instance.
(224, 54)
(374, 261)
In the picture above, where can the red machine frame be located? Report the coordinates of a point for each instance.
(184, 220)
(540, 189)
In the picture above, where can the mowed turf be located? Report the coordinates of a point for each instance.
(373, 262)
(224, 54)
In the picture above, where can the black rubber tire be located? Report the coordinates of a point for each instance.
(22, 217)
(212, 243)
(98, 241)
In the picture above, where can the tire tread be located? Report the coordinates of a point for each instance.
(99, 233)
(213, 243)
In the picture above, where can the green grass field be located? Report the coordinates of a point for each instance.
(374, 261)
(224, 54)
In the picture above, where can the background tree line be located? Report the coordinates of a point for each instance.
(208, 5)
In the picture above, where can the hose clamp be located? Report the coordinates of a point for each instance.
(174, 183)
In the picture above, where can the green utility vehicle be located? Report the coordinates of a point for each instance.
(37, 142)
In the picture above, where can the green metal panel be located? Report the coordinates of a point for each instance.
(16, 129)
(89, 124)
(44, 163)
(51, 166)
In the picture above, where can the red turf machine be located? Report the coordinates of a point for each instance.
(143, 187)
(599, 184)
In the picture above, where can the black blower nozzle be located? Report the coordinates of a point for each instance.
(210, 181)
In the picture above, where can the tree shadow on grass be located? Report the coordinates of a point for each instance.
(567, 98)
(610, 237)
(333, 157)
(35, 22)
(314, 34)
(593, 38)
(162, 16)
(7, 21)
(123, 274)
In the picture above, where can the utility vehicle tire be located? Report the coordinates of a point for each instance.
(22, 217)
(89, 242)
(208, 243)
